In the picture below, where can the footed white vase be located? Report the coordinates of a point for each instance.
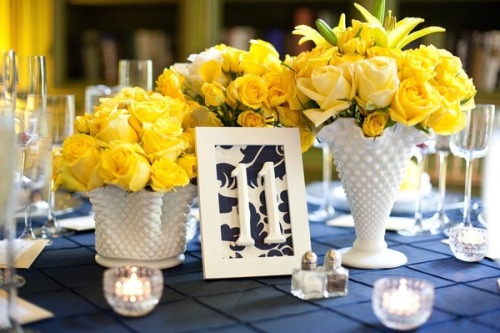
(142, 228)
(371, 171)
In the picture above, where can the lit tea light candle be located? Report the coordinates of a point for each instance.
(469, 243)
(133, 291)
(402, 303)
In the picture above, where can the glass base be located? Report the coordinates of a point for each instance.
(321, 214)
(52, 232)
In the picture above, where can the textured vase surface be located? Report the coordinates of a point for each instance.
(371, 171)
(142, 228)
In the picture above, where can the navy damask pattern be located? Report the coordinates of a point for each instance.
(227, 158)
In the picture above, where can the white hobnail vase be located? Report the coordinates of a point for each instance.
(143, 228)
(371, 171)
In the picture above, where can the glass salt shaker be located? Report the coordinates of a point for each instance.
(307, 281)
(336, 276)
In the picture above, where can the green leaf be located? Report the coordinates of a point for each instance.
(327, 32)
(379, 10)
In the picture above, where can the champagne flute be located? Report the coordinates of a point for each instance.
(421, 227)
(442, 149)
(31, 90)
(326, 210)
(472, 143)
(60, 119)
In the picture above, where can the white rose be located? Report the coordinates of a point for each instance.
(329, 86)
(376, 81)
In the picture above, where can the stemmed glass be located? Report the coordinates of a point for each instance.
(8, 193)
(325, 211)
(31, 91)
(421, 227)
(60, 119)
(442, 149)
(472, 143)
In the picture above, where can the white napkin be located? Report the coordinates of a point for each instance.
(394, 223)
(78, 223)
(25, 312)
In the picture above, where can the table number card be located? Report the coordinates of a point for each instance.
(253, 212)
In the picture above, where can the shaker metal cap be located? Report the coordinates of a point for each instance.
(309, 260)
(333, 258)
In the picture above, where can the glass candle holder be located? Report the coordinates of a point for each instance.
(402, 303)
(133, 291)
(469, 243)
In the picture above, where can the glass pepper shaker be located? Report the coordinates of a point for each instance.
(307, 281)
(336, 276)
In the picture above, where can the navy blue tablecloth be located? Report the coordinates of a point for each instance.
(66, 280)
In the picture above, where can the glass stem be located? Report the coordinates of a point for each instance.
(418, 203)
(468, 187)
(327, 205)
(443, 165)
(51, 218)
(9, 274)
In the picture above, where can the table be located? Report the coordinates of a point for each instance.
(66, 280)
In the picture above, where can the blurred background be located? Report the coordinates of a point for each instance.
(84, 39)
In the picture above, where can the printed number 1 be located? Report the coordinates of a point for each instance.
(275, 236)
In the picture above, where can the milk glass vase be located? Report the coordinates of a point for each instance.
(371, 171)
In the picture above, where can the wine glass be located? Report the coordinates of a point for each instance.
(8, 195)
(60, 120)
(31, 91)
(472, 143)
(325, 211)
(421, 227)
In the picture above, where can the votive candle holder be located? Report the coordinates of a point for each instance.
(402, 303)
(469, 243)
(133, 291)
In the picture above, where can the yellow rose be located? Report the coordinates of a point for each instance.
(251, 119)
(250, 90)
(210, 71)
(165, 175)
(125, 165)
(414, 102)
(214, 93)
(169, 83)
(189, 139)
(289, 117)
(113, 126)
(162, 138)
(418, 64)
(81, 123)
(81, 157)
(147, 111)
(231, 60)
(189, 163)
(331, 87)
(449, 118)
(376, 81)
(374, 123)
(276, 93)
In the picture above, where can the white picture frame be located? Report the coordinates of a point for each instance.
(267, 160)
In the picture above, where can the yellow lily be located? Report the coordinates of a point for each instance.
(395, 35)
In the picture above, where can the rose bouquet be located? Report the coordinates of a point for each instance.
(362, 72)
(134, 140)
(237, 88)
